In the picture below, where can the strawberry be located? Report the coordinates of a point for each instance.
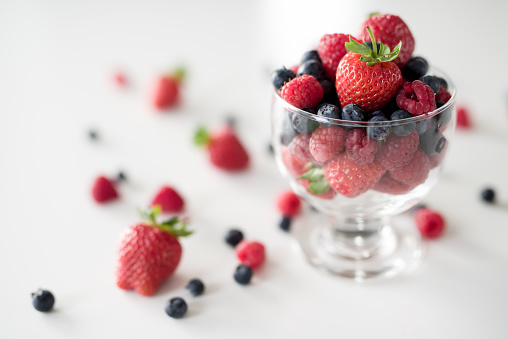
(103, 190)
(167, 93)
(149, 253)
(225, 149)
(168, 199)
(331, 50)
(366, 76)
(390, 29)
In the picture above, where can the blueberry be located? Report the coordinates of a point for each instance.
(314, 68)
(369, 43)
(377, 113)
(303, 125)
(93, 135)
(404, 129)
(310, 55)
(421, 126)
(415, 68)
(233, 237)
(353, 112)
(378, 132)
(243, 274)
(432, 81)
(327, 85)
(442, 82)
(270, 148)
(282, 76)
(176, 308)
(43, 300)
(432, 141)
(443, 118)
(120, 177)
(230, 120)
(285, 223)
(288, 132)
(488, 195)
(195, 287)
(328, 111)
(418, 207)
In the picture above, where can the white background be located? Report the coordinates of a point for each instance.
(57, 60)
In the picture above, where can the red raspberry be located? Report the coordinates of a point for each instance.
(391, 186)
(302, 91)
(416, 97)
(300, 148)
(120, 79)
(327, 142)
(168, 199)
(397, 150)
(250, 253)
(443, 94)
(430, 223)
(360, 147)
(350, 179)
(415, 172)
(329, 194)
(288, 204)
(294, 164)
(103, 190)
(463, 120)
(331, 50)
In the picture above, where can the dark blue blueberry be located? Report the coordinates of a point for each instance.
(432, 81)
(285, 223)
(488, 195)
(418, 207)
(443, 82)
(195, 287)
(176, 308)
(310, 55)
(369, 43)
(327, 85)
(378, 132)
(421, 126)
(92, 134)
(230, 120)
(443, 118)
(303, 125)
(120, 177)
(314, 68)
(390, 107)
(415, 68)
(330, 98)
(282, 76)
(243, 274)
(288, 133)
(353, 112)
(233, 237)
(377, 113)
(270, 148)
(432, 141)
(43, 300)
(404, 129)
(328, 111)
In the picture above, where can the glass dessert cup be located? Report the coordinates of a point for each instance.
(359, 192)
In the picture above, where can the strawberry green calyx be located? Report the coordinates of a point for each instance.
(370, 15)
(318, 183)
(174, 226)
(202, 137)
(179, 73)
(373, 55)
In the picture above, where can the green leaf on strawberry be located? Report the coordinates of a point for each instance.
(174, 226)
(318, 183)
(373, 55)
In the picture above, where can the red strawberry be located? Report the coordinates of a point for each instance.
(225, 149)
(250, 253)
(463, 120)
(331, 50)
(366, 76)
(149, 253)
(103, 190)
(168, 199)
(302, 91)
(390, 30)
(350, 179)
(167, 92)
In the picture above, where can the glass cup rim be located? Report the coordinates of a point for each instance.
(350, 123)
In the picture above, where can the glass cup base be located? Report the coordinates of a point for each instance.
(382, 249)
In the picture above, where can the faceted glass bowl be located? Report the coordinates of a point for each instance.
(354, 236)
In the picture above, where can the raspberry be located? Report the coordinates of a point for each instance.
(327, 142)
(415, 172)
(397, 151)
(360, 147)
(294, 164)
(103, 190)
(430, 223)
(331, 50)
(288, 204)
(463, 120)
(168, 199)
(443, 94)
(391, 186)
(303, 91)
(300, 148)
(250, 253)
(416, 97)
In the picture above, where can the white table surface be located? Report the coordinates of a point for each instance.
(57, 60)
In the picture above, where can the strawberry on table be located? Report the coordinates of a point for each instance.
(149, 253)
(103, 190)
(366, 76)
(167, 93)
(168, 199)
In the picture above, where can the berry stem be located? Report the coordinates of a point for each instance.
(174, 226)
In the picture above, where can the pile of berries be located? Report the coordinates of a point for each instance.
(251, 255)
(377, 82)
